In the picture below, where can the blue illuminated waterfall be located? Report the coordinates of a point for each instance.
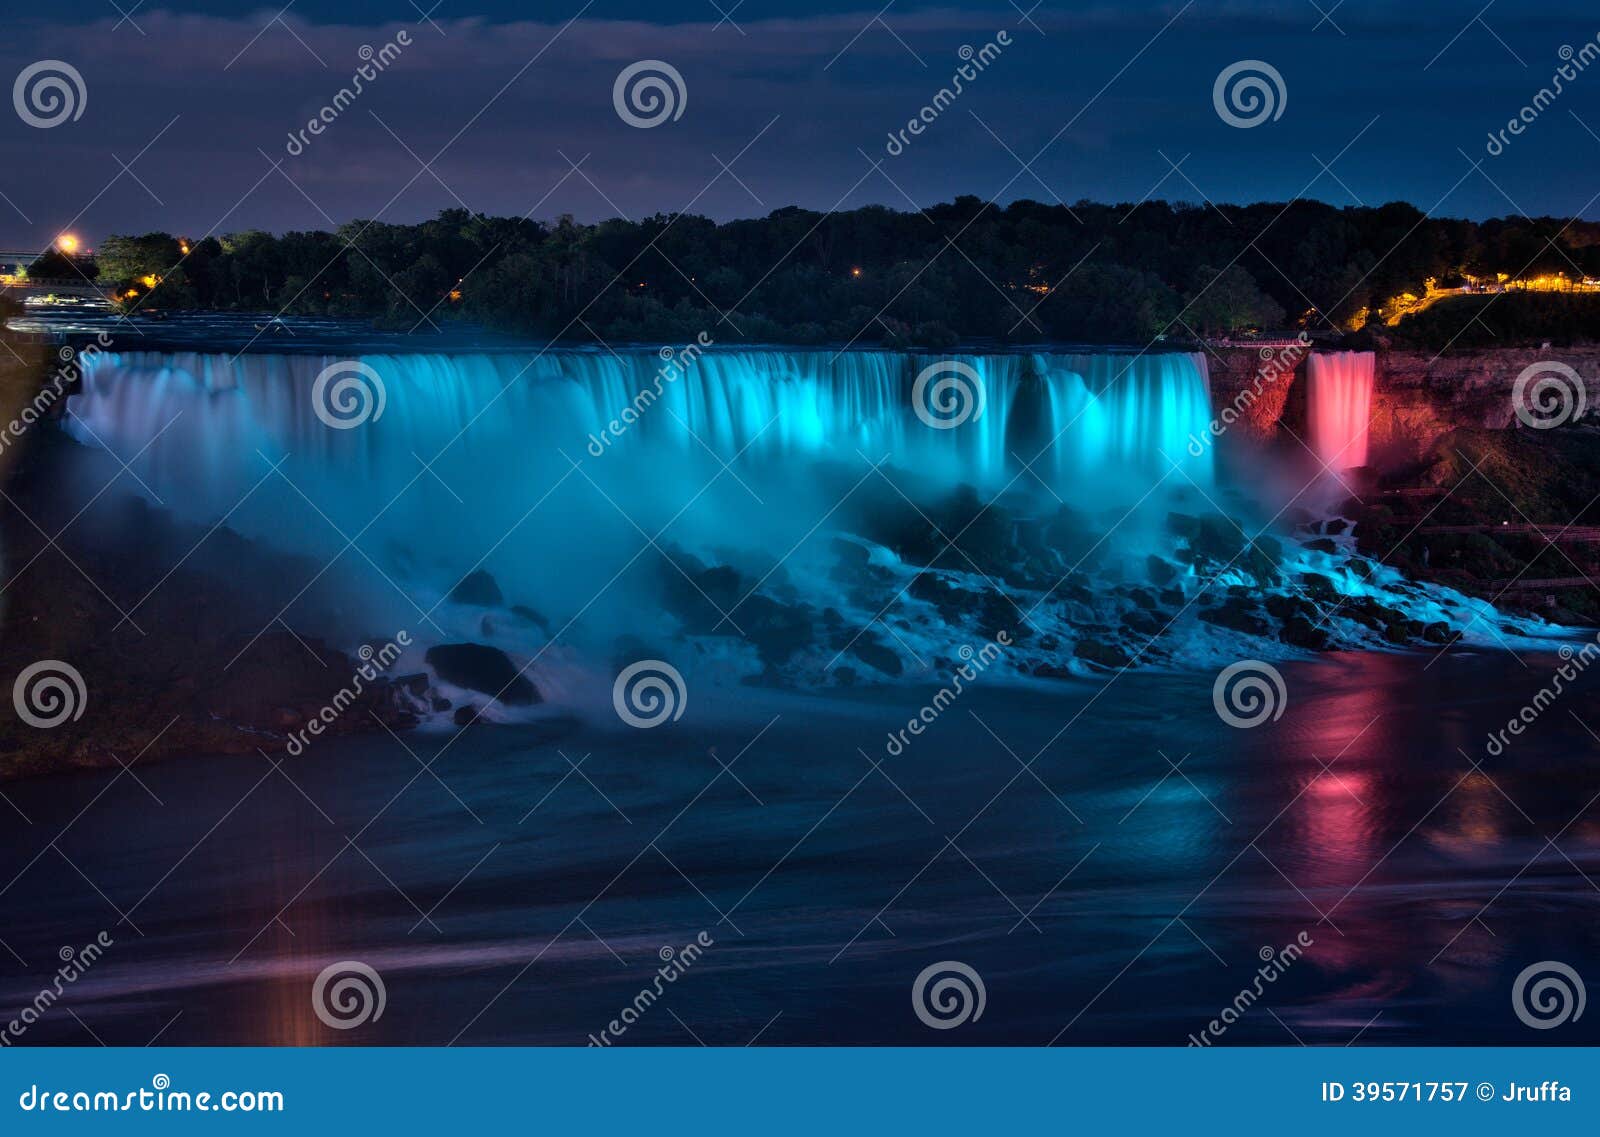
(554, 471)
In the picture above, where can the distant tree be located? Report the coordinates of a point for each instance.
(53, 264)
(1230, 301)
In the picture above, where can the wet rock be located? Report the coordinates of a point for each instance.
(874, 654)
(1335, 527)
(485, 669)
(777, 630)
(477, 588)
(465, 715)
(1321, 545)
(1437, 632)
(1101, 652)
(1298, 631)
(1318, 585)
(528, 616)
(1160, 570)
(1239, 614)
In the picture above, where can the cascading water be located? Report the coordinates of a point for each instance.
(1339, 397)
(556, 472)
(609, 495)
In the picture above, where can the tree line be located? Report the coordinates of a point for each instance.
(964, 270)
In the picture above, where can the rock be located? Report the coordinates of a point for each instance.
(1102, 653)
(440, 704)
(1236, 613)
(777, 630)
(1335, 527)
(845, 676)
(477, 588)
(1160, 570)
(1318, 585)
(466, 715)
(1298, 631)
(874, 654)
(485, 669)
(1321, 545)
(1437, 633)
(529, 616)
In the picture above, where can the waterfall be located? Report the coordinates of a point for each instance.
(1339, 398)
(552, 470)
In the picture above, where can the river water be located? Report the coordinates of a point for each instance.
(519, 884)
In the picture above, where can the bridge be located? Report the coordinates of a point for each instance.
(19, 287)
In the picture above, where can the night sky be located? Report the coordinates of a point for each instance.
(1101, 99)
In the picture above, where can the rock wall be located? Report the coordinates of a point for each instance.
(1417, 397)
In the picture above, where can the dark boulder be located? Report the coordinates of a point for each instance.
(477, 588)
(1102, 653)
(485, 669)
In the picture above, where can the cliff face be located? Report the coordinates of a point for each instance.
(1416, 398)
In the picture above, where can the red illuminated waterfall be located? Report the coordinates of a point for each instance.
(1339, 396)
